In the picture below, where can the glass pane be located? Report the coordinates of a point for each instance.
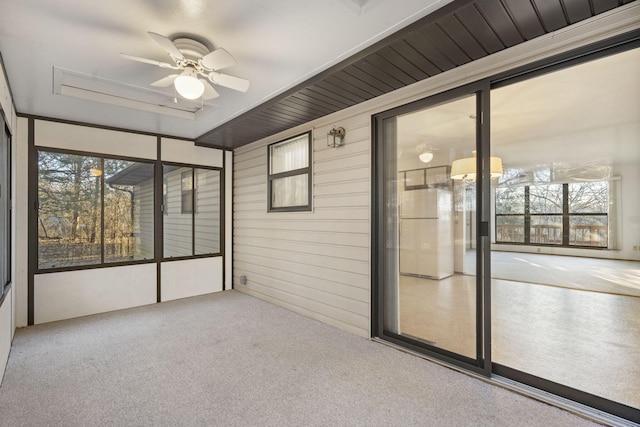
(128, 210)
(429, 264)
(589, 230)
(290, 191)
(589, 197)
(289, 155)
(546, 229)
(177, 226)
(570, 315)
(70, 213)
(510, 229)
(510, 200)
(207, 217)
(545, 199)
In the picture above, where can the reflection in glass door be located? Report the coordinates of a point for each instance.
(565, 257)
(428, 281)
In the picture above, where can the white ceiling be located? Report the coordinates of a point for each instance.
(277, 44)
(586, 113)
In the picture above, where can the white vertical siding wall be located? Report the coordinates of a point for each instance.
(177, 225)
(316, 263)
(143, 196)
(207, 216)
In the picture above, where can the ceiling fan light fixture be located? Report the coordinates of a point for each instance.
(188, 85)
(425, 156)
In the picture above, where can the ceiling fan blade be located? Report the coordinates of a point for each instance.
(165, 81)
(150, 61)
(217, 60)
(209, 91)
(231, 82)
(166, 44)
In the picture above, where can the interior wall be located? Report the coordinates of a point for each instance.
(318, 263)
(70, 294)
(191, 277)
(626, 176)
(76, 293)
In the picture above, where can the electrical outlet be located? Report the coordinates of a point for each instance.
(243, 280)
(636, 248)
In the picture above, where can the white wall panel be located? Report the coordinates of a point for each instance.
(94, 140)
(179, 151)
(191, 277)
(65, 295)
(6, 331)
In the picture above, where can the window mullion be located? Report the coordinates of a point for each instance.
(193, 211)
(527, 216)
(102, 243)
(565, 215)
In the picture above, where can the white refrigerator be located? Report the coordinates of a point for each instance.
(426, 233)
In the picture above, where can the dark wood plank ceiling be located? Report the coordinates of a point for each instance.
(460, 32)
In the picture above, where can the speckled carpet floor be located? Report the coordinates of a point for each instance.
(229, 359)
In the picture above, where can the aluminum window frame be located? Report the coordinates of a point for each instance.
(271, 177)
(193, 212)
(102, 263)
(5, 227)
(565, 217)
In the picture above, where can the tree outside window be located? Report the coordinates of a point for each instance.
(87, 211)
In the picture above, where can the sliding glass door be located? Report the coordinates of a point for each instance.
(529, 270)
(565, 256)
(430, 293)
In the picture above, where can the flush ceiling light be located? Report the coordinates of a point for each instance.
(188, 85)
(425, 156)
(465, 169)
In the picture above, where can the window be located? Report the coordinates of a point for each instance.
(93, 210)
(192, 219)
(289, 180)
(5, 209)
(569, 214)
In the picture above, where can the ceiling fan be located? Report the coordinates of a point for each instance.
(198, 68)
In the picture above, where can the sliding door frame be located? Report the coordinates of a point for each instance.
(585, 54)
(481, 364)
